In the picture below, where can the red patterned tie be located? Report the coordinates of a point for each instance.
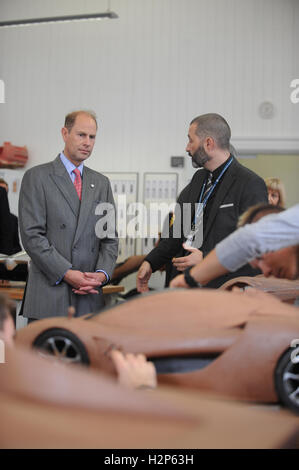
(78, 182)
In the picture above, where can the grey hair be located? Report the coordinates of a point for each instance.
(71, 118)
(215, 126)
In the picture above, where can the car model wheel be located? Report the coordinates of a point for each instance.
(287, 379)
(63, 345)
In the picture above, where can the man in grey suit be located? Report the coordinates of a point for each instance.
(57, 215)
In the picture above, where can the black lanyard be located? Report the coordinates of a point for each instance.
(202, 205)
(214, 185)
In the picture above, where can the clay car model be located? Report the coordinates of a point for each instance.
(284, 289)
(241, 345)
(46, 404)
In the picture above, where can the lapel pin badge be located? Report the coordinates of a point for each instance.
(92, 185)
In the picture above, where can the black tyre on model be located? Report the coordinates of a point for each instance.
(287, 379)
(64, 345)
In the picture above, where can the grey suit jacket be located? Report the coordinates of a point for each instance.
(58, 233)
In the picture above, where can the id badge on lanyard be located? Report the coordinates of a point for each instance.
(195, 236)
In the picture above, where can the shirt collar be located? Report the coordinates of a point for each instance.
(218, 170)
(69, 166)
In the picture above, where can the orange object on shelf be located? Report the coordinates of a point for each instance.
(12, 156)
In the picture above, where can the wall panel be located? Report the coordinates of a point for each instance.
(148, 74)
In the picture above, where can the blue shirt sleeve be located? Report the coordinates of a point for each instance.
(271, 233)
(107, 277)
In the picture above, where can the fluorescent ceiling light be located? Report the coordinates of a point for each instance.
(59, 19)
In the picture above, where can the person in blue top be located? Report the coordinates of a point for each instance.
(271, 244)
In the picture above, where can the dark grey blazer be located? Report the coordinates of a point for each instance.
(240, 188)
(58, 232)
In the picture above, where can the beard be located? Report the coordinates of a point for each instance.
(199, 158)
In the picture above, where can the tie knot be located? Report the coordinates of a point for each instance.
(77, 172)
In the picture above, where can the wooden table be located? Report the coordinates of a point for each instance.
(16, 293)
(18, 258)
(15, 290)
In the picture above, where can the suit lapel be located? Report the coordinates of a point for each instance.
(228, 179)
(88, 197)
(65, 185)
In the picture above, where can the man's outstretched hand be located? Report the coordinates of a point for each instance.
(143, 276)
(185, 262)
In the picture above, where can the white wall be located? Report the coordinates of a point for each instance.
(147, 74)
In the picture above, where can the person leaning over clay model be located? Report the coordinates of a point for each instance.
(259, 243)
